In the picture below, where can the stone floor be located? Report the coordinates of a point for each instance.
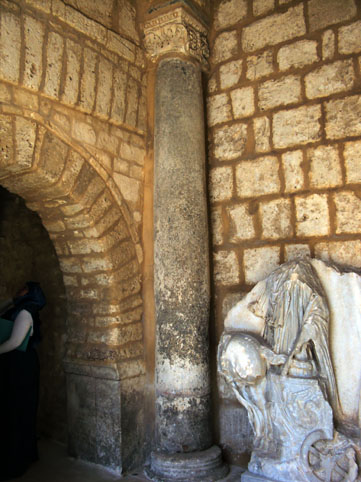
(56, 466)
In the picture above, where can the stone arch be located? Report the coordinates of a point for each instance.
(101, 274)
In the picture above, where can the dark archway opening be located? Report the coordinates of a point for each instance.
(27, 253)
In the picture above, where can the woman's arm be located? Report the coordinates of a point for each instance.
(23, 322)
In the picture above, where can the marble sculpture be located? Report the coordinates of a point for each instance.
(291, 354)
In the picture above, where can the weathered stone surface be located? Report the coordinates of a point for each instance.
(348, 212)
(322, 13)
(83, 132)
(343, 252)
(260, 7)
(71, 85)
(325, 168)
(54, 62)
(230, 142)
(221, 183)
(10, 47)
(230, 12)
(297, 126)
(352, 155)
(25, 137)
(276, 219)
(241, 223)
(330, 79)
(225, 46)
(130, 188)
(242, 102)
(226, 268)
(284, 91)
(274, 29)
(104, 89)
(259, 262)
(181, 259)
(219, 109)
(34, 38)
(127, 20)
(312, 217)
(343, 117)
(349, 38)
(230, 73)
(88, 80)
(298, 54)
(328, 45)
(293, 251)
(217, 225)
(257, 177)
(293, 172)
(7, 153)
(262, 132)
(260, 65)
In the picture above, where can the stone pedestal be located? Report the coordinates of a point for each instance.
(182, 287)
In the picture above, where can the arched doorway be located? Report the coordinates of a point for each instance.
(103, 356)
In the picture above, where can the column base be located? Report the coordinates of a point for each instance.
(205, 466)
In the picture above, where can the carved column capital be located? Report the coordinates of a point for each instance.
(176, 31)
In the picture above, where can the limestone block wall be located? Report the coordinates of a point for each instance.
(72, 144)
(284, 124)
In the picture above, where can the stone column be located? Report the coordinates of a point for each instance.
(184, 448)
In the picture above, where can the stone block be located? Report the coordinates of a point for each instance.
(212, 84)
(262, 132)
(88, 80)
(342, 252)
(104, 88)
(260, 65)
(83, 132)
(7, 152)
(293, 251)
(276, 219)
(274, 29)
(54, 152)
(242, 102)
(26, 99)
(221, 183)
(10, 46)
(260, 262)
(229, 13)
(348, 212)
(312, 216)
(297, 126)
(54, 64)
(5, 93)
(130, 188)
(119, 85)
(127, 20)
(33, 61)
(132, 153)
(230, 73)
(328, 45)
(258, 177)
(298, 54)
(121, 46)
(230, 142)
(219, 109)
(71, 84)
(352, 155)
(322, 13)
(225, 46)
(260, 7)
(226, 268)
(349, 38)
(217, 225)
(108, 142)
(133, 94)
(325, 168)
(330, 79)
(25, 138)
(292, 170)
(284, 91)
(343, 117)
(241, 223)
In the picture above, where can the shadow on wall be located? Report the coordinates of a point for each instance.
(27, 253)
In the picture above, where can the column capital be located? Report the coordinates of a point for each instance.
(176, 31)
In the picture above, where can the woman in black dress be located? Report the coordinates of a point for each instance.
(19, 384)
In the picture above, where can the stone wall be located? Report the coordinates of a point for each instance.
(72, 144)
(284, 110)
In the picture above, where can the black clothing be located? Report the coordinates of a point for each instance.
(19, 389)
